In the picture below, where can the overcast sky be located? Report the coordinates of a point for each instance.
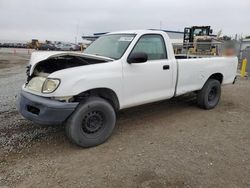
(65, 19)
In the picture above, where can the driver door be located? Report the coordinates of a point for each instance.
(149, 81)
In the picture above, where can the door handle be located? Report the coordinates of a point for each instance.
(166, 67)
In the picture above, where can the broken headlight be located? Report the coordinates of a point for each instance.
(36, 84)
(50, 85)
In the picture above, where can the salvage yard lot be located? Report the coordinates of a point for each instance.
(167, 144)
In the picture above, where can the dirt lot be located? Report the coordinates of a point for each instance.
(167, 144)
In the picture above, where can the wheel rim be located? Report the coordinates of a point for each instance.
(212, 94)
(93, 122)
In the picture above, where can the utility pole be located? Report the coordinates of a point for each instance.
(77, 30)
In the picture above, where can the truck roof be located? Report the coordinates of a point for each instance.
(138, 31)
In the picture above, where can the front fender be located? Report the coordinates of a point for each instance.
(80, 79)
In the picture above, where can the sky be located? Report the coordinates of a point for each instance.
(67, 20)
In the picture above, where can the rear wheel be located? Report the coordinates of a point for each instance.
(209, 96)
(92, 123)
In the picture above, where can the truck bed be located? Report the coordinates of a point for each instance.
(193, 72)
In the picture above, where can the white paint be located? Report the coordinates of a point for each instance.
(136, 84)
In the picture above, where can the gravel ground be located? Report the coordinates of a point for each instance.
(16, 132)
(167, 144)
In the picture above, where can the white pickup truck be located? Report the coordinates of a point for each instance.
(117, 71)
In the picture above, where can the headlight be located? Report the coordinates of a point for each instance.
(36, 84)
(50, 85)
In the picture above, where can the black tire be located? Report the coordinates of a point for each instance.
(92, 123)
(209, 96)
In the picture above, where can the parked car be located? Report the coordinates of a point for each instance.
(119, 70)
(19, 45)
(8, 45)
(47, 47)
(64, 47)
(68, 47)
(77, 47)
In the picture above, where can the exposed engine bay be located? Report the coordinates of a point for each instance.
(51, 65)
(37, 81)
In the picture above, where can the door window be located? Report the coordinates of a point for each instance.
(152, 45)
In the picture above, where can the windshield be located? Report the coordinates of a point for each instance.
(112, 46)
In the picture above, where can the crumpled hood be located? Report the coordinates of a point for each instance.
(37, 57)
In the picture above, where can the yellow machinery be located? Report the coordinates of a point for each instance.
(34, 44)
(198, 41)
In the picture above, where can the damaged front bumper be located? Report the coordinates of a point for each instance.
(43, 110)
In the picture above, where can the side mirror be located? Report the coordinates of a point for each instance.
(210, 31)
(137, 57)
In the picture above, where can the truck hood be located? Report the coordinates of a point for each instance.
(37, 57)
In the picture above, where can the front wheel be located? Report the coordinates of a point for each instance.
(208, 97)
(92, 123)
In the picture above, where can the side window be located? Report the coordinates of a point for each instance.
(152, 45)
